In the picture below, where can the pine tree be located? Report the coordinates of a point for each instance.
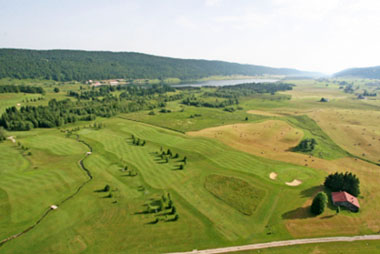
(319, 203)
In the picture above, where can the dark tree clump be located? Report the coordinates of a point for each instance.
(343, 182)
(306, 145)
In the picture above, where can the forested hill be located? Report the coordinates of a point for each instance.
(65, 65)
(368, 72)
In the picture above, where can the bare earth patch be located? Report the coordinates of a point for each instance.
(295, 182)
(262, 113)
(273, 176)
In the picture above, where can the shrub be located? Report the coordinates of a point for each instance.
(106, 188)
(319, 203)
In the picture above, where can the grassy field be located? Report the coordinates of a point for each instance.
(189, 118)
(223, 196)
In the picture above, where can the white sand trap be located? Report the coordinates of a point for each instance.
(295, 182)
(273, 176)
(11, 138)
(53, 207)
(18, 104)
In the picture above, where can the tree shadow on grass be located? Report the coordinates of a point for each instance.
(327, 217)
(129, 175)
(311, 192)
(178, 167)
(298, 213)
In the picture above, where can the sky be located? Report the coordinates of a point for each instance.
(315, 35)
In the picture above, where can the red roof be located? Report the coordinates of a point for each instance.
(343, 196)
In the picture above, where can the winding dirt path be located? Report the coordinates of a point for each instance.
(90, 177)
(283, 243)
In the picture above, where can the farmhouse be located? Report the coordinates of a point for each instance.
(345, 199)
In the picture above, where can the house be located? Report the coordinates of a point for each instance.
(345, 199)
(113, 82)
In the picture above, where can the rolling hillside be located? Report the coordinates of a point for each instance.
(66, 65)
(368, 72)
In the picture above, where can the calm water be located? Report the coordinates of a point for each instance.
(231, 82)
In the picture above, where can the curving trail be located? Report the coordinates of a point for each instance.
(90, 177)
(283, 243)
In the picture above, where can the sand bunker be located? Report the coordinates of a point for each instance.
(18, 104)
(11, 138)
(273, 175)
(295, 182)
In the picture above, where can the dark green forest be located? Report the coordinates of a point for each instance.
(67, 65)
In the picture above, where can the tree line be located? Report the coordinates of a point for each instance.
(197, 102)
(128, 91)
(21, 89)
(58, 113)
(248, 89)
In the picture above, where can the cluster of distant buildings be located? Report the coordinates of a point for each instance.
(111, 82)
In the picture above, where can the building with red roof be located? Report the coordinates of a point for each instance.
(345, 199)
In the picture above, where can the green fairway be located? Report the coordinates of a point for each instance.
(235, 192)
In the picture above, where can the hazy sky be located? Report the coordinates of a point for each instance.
(318, 35)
